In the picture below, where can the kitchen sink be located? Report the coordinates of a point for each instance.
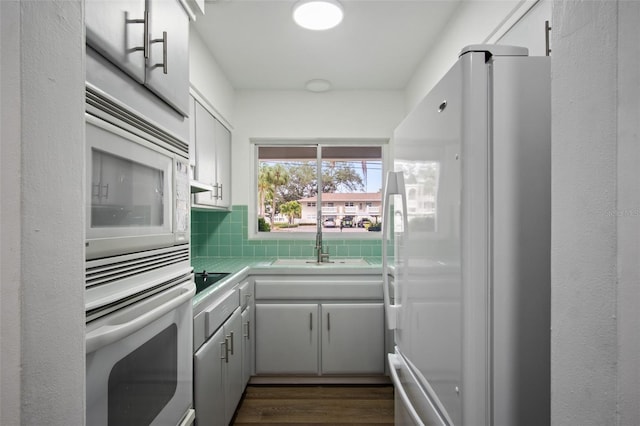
(313, 262)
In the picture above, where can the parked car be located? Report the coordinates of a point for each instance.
(364, 223)
(347, 222)
(329, 223)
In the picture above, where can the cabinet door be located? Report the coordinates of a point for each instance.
(247, 344)
(286, 338)
(116, 29)
(353, 338)
(209, 369)
(168, 63)
(233, 384)
(223, 164)
(205, 153)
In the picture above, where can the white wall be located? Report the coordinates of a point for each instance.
(596, 213)
(475, 22)
(42, 292)
(208, 80)
(302, 115)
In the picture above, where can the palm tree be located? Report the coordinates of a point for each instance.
(292, 209)
(269, 179)
(264, 186)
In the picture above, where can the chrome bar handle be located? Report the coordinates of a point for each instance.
(145, 38)
(310, 320)
(225, 352)
(162, 40)
(230, 336)
(328, 321)
(248, 333)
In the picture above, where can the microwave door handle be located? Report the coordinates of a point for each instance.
(116, 330)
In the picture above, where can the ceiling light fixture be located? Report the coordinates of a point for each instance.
(317, 14)
(318, 85)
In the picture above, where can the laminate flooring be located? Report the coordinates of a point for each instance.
(316, 405)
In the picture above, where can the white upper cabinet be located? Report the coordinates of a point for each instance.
(147, 40)
(168, 63)
(116, 29)
(211, 149)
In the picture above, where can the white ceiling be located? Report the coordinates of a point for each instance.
(377, 46)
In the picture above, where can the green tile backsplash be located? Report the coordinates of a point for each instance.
(225, 234)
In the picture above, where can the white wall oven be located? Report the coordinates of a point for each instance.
(139, 362)
(138, 277)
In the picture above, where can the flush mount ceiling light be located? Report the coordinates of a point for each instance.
(317, 14)
(318, 85)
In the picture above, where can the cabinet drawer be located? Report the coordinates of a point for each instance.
(342, 288)
(246, 294)
(219, 311)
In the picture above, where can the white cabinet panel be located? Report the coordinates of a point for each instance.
(233, 383)
(208, 381)
(212, 146)
(223, 165)
(205, 154)
(116, 30)
(247, 345)
(168, 64)
(353, 338)
(286, 338)
(217, 374)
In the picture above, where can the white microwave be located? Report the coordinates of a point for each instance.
(137, 190)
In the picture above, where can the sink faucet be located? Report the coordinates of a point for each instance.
(321, 256)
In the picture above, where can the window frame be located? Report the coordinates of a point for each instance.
(252, 218)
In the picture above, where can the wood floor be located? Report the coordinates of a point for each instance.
(316, 405)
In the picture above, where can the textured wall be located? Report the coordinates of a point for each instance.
(584, 175)
(47, 129)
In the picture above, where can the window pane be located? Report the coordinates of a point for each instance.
(287, 181)
(351, 188)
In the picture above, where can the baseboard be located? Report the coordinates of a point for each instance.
(320, 380)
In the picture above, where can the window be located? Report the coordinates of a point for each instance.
(336, 186)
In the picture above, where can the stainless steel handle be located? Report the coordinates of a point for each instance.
(162, 40)
(230, 336)
(248, 333)
(96, 190)
(310, 320)
(225, 352)
(328, 321)
(106, 192)
(145, 38)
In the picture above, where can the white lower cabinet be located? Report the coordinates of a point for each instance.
(287, 338)
(218, 382)
(320, 338)
(353, 338)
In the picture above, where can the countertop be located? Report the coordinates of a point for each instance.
(240, 268)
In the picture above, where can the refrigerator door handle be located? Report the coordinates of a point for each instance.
(394, 185)
(399, 389)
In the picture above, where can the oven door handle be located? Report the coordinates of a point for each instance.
(135, 317)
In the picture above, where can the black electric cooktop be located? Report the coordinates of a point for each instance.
(206, 279)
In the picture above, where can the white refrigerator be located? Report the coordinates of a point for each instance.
(467, 245)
